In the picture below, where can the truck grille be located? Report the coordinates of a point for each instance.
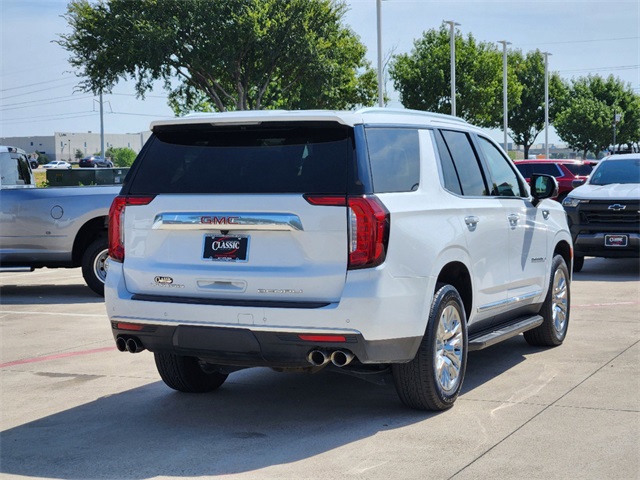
(610, 211)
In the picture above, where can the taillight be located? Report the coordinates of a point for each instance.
(116, 223)
(368, 227)
(368, 232)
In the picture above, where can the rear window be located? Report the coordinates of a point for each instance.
(268, 158)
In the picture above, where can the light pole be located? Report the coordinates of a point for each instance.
(504, 89)
(379, 29)
(70, 157)
(546, 104)
(452, 40)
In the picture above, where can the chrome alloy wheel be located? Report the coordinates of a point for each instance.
(559, 302)
(449, 345)
(100, 265)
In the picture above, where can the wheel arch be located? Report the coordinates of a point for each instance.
(563, 248)
(457, 275)
(91, 230)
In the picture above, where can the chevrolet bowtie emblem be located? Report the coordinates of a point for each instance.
(616, 207)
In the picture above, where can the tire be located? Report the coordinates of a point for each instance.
(433, 379)
(578, 263)
(94, 268)
(555, 309)
(185, 374)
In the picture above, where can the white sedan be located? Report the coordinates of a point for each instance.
(58, 164)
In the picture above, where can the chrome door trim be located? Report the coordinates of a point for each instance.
(509, 301)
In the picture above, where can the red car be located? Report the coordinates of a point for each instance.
(565, 171)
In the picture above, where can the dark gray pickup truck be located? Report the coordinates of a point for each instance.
(52, 227)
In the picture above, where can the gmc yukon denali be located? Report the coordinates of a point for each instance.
(369, 241)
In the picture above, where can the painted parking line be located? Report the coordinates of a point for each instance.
(610, 304)
(57, 314)
(56, 356)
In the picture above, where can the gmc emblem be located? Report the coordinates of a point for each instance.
(219, 220)
(616, 207)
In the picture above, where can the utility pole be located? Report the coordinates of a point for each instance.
(101, 128)
(379, 30)
(504, 90)
(616, 119)
(546, 103)
(452, 40)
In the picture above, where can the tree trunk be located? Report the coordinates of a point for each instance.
(526, 151)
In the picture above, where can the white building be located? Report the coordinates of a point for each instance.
(63, 145)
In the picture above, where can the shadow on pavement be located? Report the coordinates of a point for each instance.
(257, 419)
(47, 295)
(609, 269)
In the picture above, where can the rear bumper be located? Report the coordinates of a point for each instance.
(377, 328)
(244, 347)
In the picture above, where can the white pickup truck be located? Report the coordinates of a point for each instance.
(51, 227)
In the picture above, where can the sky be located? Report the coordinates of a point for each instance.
(38, 87)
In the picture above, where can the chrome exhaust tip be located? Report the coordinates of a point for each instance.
(341, 358)
(318, 358)
(134, 345)
(121, 344)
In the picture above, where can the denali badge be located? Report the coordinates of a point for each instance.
(278, 290)
(164, 280)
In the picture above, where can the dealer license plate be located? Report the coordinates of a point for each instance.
(616, 240)
(226, 248)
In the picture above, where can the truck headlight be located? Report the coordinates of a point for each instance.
(572, 202)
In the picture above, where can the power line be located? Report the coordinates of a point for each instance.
(33, 84)
(65, 98)
(37, 91)
(600, 69)
(582, 41)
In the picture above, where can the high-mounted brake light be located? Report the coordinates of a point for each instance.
(116, 223)
(368, 227)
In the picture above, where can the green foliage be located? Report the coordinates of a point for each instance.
(423, 77)
(586, 124)
(42, 158)
(78, 155)
(225, 54)
(526, 118)
(121, 157)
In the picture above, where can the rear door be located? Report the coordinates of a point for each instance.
(230, 220)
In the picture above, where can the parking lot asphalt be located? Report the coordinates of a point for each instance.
(73, 407)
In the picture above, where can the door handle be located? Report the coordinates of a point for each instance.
(513, 219)
(471, 222)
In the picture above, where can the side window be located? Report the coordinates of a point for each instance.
(451, 180)
(394, 155)
(466, 163)
(548, 168)
(505, 182)
(23, 170)
(525, 169)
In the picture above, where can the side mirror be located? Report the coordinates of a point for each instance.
(577, 183)
(542, 186)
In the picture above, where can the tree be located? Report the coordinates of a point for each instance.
(587, 122)
(121, 157)
(79, 154)
(526, 117)
(423, 77)
(222, 54)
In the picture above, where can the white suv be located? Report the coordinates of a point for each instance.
(369, 241)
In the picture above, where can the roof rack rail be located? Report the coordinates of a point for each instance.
(407, 111)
